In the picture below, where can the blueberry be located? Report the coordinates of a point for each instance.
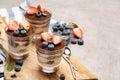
(13, 76)
(80, 42)
(50, 47)
(74, 41)
(17, 68)
(50, 42)
(19, 62)
(55, 28)
(61, 28)
(59, 32)
(20, 28)
(23, 33)
(62, 77)
(44, 44)
(16, 33)
(65, 32)
(44, 14)
(67, 27)
(64, 24)
(57, 24)
(68, 31)
(38, 14)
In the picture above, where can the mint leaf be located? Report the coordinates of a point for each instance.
(10, 67)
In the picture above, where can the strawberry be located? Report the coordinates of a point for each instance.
(73, 25)
(46, 36)
(13, 25)
(42, 9)
(56, 39)
(32, 10)
(77, 32)
(25, 24)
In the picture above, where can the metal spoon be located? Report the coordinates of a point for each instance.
(66, 56)
(67, 53)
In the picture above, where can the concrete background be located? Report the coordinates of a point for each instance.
(100, 21)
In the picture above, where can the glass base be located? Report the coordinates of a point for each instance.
(18, 56)
(49, 70)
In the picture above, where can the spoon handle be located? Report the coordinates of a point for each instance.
(71, 67)
(73, 72)
(68, 60)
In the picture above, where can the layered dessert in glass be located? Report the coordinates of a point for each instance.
(39, 18)
(19, 37)
(50, 49)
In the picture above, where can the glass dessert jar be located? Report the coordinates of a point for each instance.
(39, 20)
(18, 45)
(49, 60)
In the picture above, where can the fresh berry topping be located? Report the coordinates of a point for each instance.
(44, 44)
(80, 42)
(38, 14)
(61, 28)
(13, 25)
(67, 27)
(74, 41)
(56, 40)
(46, 36)
(57, 24)
(51, 47)
(50, 42)
(77, 32)
(73, 25)
(66, 32)
(62, 77)
(55, 28)
(59, 32)
(44, 14)
(42, 9)
(19, 62)
(23, 33)
(17, 68)
(32, 10)
(16, 33)
(20, 28)
(25, 24)
(64, 24)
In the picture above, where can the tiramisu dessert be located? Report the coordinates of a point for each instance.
(39, 18)
(50, 49)
(19, 37)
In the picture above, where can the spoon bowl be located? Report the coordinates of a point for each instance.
(67, 51)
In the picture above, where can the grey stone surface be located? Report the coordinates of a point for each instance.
(100, 21)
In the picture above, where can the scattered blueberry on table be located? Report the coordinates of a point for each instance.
(62, 77)
(17, 68)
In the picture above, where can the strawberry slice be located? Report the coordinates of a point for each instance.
(13, 25)
(78, 33)
(32, 10)
(46, 36)
(56, 39)
(25, 24)
(73, 25)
